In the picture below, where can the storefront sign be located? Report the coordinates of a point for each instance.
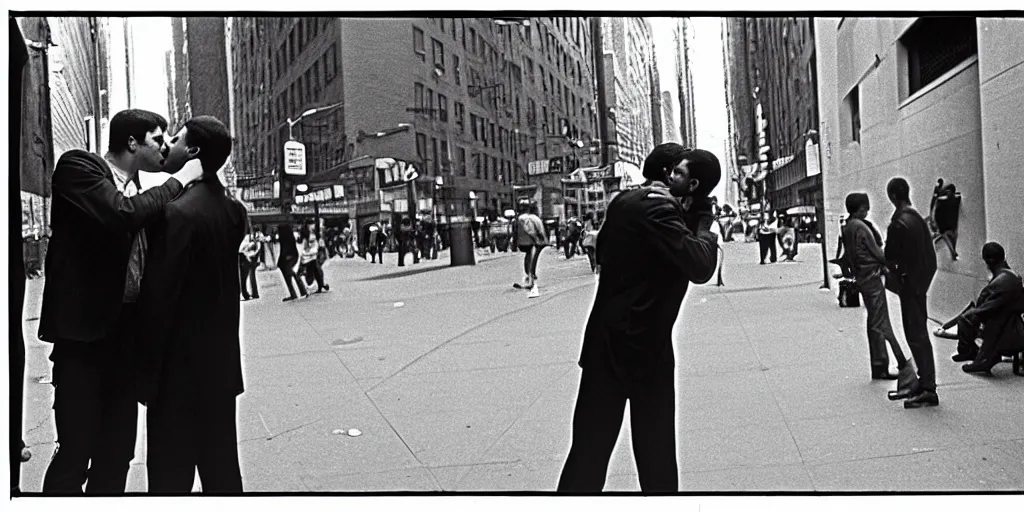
(294, 158)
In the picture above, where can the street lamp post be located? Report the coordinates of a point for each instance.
(291, 139)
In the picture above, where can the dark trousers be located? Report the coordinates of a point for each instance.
(247, 272)
(879, 326)
(767, 243)
(531, 253)
(595, 429)
(570, 247)
(406, 246)
(187, 430)
(96, 414)
(289, 276)
(966, 334)
(592, 257)
(313, 269)
(914, 307)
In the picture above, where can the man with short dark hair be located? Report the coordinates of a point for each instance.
(910, 256)
(995, 316)
(654, 242)
(190, 369)
(94, 264)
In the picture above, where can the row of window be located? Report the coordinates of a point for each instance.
(478, 165)
(308, 87)
(301, 33)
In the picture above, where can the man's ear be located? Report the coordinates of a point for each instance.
(193, 151)
(132, 144)
(694, 183)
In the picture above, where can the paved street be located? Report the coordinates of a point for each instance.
(459, 382)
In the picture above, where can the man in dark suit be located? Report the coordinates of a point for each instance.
(998, 309)
(910, 256)
(652, 245)
(93, 268)
(190, 370)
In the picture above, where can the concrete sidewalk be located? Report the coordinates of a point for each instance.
(470, 385)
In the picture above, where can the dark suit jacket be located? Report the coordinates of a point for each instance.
(648, 257)
(188, 305)
(999, 307)
(92, 229)
(910, 251)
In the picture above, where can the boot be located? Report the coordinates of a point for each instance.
(906, 382)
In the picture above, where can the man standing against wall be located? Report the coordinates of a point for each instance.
(910, 256)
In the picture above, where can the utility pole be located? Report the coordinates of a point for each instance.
(602, 100)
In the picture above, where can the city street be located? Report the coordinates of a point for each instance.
(456, 381)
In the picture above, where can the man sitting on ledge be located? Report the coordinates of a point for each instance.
(995, 316)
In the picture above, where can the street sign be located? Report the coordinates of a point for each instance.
(294, 158)
(394, 172)
(339, 191)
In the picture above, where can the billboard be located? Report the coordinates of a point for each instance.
(547, 166)
(294, 158)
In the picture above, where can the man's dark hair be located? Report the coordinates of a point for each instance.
(993, 252)
(898, 189)
(855, 200)
(132, 123)
(213, 140)
(703, 166)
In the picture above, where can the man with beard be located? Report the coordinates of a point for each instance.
(654, 242)
(190, 368)
(910, 256)
(94, 266)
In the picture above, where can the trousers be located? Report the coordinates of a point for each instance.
(914, 307)
(597, 420)
(95, 412)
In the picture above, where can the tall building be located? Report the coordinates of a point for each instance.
(927, 98)
(668, 119)
(772, 63)
(682, 37)
(656, 122)
(629, 63)
(476, 102)
(200, 78)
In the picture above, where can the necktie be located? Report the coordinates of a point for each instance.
(137, 257)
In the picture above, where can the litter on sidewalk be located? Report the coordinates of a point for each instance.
(399, 304)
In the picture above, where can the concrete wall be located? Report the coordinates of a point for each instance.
(1002, 111)
(937, 132)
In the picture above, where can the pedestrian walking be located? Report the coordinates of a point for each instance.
(867, 263)
(573, 232)
(309, 258)
(766, 236)
(787, 238)
(288, 262)
(910, 256)
(589, 243)
(406, 242)
(190, 369)
(531, 239)
(654, 241)
(94, 265)
(248, 260)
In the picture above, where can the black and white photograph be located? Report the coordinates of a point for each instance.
(726, 254)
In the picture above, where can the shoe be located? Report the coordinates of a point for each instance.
(884, 376)
(327, 287)
(907, 384)
(976, 368)
(255, 296)
(245, 299)
(286, 299)
(534, 292)
(959, 358)
(922, 399)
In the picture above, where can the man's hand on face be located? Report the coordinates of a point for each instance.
(191, 171)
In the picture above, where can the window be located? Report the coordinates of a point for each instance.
(418, 44)
(494, 139)
(430, 103)
(418, 96)
(483, 130)
(309, 84)
(330, 63)
(472, 121)
(446, 157)
(436, 161)
(472, 40)
(302, 35)
(460, 116)
(853, 111)
(442, 107)
(438, 54)
(421, 146)
(936, 45)
(494, 168)
(462, 161)
(462, 24)
(316, 81)
(458, 69)
(300, 92)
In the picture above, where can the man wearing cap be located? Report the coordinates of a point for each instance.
(654, 242)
